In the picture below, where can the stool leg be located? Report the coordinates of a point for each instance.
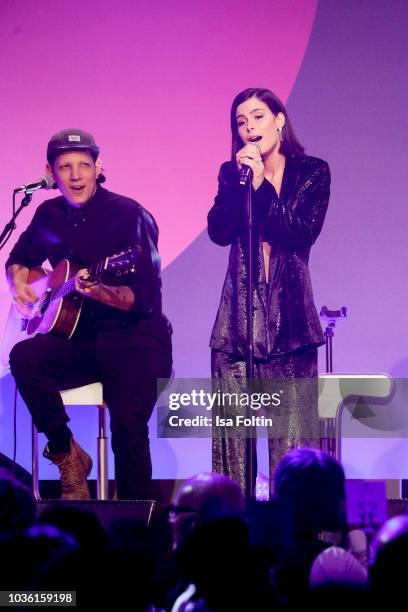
(102, 482)
(339, 415)
(328, 437)
(34, 462)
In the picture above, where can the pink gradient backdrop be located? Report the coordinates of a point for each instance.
(152, 81)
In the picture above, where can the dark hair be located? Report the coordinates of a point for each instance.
(312, 484)
(289, 144)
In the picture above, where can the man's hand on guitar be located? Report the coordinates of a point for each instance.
(121, 297)
(23, 297)
(86, 287)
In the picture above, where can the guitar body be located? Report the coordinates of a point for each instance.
(58, 307)
(58, 316)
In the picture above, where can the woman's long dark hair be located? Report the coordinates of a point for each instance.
(289, 144)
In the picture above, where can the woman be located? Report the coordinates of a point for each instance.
(290, 193)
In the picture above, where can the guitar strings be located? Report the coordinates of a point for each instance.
(52, 295)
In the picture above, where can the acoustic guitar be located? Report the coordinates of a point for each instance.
(58, 308)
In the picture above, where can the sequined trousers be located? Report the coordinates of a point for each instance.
(295, 421)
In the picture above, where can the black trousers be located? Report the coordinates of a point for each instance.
(44, 364)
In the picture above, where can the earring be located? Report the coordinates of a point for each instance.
(280, 134)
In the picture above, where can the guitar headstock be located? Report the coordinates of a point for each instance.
(122, 263)
(116, 265)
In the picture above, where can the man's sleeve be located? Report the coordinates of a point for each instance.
(146, 281)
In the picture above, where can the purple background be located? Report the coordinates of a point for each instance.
(154, 84)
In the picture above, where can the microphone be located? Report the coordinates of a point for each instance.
(245, 175)
(45, 182)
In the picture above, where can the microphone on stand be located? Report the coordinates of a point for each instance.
(45, 182)
(245, 175)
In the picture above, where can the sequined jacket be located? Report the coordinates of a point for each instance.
(285, 317)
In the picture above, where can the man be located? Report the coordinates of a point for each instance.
(212, 542)
(122, 339)
(202, 499)
(198, 503)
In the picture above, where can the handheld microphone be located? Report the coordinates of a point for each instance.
(245, 175)
(45, 182)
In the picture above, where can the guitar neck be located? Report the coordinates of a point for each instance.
(62, 290)
(119, 264)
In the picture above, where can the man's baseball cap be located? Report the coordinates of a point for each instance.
(69, 140)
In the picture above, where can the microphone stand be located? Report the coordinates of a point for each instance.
(329, 437)
(250, 440)
(5, 235)
(11, 225)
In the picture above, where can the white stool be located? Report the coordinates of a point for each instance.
(88, 395)
(335, 388)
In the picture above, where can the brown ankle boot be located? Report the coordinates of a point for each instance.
(74, 467)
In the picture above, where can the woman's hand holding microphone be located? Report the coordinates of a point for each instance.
(250, 155)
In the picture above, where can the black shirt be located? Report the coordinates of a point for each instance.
(107, 224)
